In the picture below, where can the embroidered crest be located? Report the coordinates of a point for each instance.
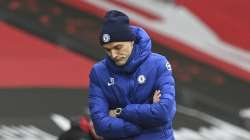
(141, 79)
(111, 81)
(105, 38)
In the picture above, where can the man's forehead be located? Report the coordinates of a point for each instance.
(113, 44)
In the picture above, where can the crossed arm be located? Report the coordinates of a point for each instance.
(108, 125)
(134, 117)
(112, 113)
(156, 99)
(163, 108)
(159, 113)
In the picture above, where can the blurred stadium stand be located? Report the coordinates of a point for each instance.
(48, 47)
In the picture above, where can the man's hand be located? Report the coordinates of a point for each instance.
(115, 112)
(156, 97)
(112, 112)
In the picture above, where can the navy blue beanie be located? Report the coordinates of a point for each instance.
(115, 28)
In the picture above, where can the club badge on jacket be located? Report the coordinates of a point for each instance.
(111, 81)
(141, 79)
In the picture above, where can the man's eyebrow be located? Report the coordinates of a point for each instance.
(107, 49)
(117, 45)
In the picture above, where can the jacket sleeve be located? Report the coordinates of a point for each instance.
(106, 126)
(156, 114)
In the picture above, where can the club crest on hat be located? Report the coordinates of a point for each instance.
(105, 38)
(141, 79)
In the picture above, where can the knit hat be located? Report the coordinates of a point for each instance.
(115, 28)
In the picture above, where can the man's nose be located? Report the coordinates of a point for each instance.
(114, 54)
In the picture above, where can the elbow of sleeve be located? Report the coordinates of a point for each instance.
(163, 117)
(111, 128)
(100, 131)
(118, 132)
(105, 132)
(101, 127)
(167, 113)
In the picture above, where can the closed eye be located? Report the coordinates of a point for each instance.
(118, 47)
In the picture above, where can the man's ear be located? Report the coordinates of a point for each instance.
(132, 43)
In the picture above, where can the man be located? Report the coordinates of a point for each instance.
(132, 90)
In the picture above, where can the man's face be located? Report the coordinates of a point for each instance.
(119, 52)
